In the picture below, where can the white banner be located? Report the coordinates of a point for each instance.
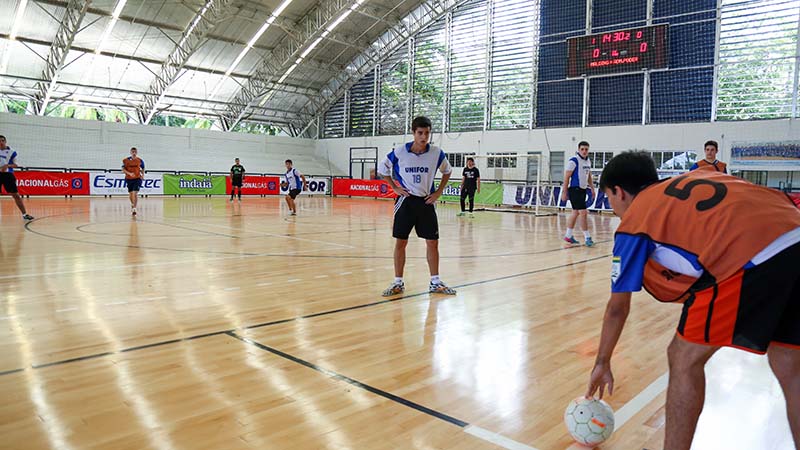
(315, 186)
(102, 183)
(520, 195)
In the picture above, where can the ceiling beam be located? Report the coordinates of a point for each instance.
(191, 40)
(70, 25)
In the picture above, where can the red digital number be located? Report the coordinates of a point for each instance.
(596, 53)
(627, 36)
(639, 34)
(606, 38)
(643, 47)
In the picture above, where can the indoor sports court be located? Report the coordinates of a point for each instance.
(204, 201)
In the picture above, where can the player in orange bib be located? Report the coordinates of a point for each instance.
(710, 149)
(740, 289)
(133, 167)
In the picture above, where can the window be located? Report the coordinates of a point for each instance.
(557, 166)
(501, 161)
(757, 54)
(755, 177)
(600, 159)
(674, 160)
(468, 68)
(459, 159)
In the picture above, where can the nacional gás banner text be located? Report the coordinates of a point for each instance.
(315, 186)
(521, 195)
(362, 188)
(256, 185)
(105, 183)
(194, 184)
(34, 182)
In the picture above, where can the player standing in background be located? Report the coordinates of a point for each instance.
(470, 184)
(8, 162)
(133, 167)
(577, 179)
(740, 289)
(237, 179)
(295, 182)
(711, 148)
(410, 169)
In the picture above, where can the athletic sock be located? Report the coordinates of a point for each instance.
(587, 235)
(569, 233)
(398, 280)
(435, 279)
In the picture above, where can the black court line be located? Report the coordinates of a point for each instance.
(337, 376)
(293, 319)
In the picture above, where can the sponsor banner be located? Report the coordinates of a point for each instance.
(490, 194)
(315, 186)
(194, 184)
(363, 188)
(33, 182)
(520, 195)
(256, 185)
(102, 183)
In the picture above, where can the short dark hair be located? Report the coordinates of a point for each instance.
(712, 143)
(632, 171)
(470, 159)
(2, 137)
(134, 148)
(582, 143)
(421, 122)
(288, 161)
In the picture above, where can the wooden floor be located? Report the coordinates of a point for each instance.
(204, 324)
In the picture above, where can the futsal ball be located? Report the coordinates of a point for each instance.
(284, 185)
(589, 421)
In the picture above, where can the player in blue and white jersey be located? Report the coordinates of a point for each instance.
(8, 162)
(295, 182)
(577, 180)
(411, 170)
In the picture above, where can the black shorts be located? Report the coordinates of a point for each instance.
(294, 193)
(413, 213)
(577, 197)
(134, 185)
(236, 182)
(751, 310)
(8, 182)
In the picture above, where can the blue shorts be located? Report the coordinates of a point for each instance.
(134, 185)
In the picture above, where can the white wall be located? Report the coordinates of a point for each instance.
(71, 143)
(616, 139)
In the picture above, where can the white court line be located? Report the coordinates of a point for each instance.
(294, 280)
(369, 270)
(7, 317)
(264, 284)
(321, 276)
(231, 289)
(116, 303)
(496, 439)
(150, 299)
(196, 293)
(66, 310)
(345, 273)
(638, 403)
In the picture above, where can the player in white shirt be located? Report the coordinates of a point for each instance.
(8, 162)
(577, 180)
(411, 170)
(295, 182)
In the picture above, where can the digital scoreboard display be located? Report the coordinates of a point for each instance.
(618, 51)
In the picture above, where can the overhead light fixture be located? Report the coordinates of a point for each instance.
(194, 23)
(107, 32)
(18, 19)
(252, 42)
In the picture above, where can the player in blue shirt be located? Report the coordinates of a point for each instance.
(8, 162)
(577, 180)
(411, 170)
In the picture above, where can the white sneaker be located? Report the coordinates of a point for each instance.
(394, 289)
(441, 288)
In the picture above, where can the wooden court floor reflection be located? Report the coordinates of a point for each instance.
(206, 324)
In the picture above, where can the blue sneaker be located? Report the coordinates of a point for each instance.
(570, 240)
(589, 242)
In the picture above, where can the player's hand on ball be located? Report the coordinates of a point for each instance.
(600, 379)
